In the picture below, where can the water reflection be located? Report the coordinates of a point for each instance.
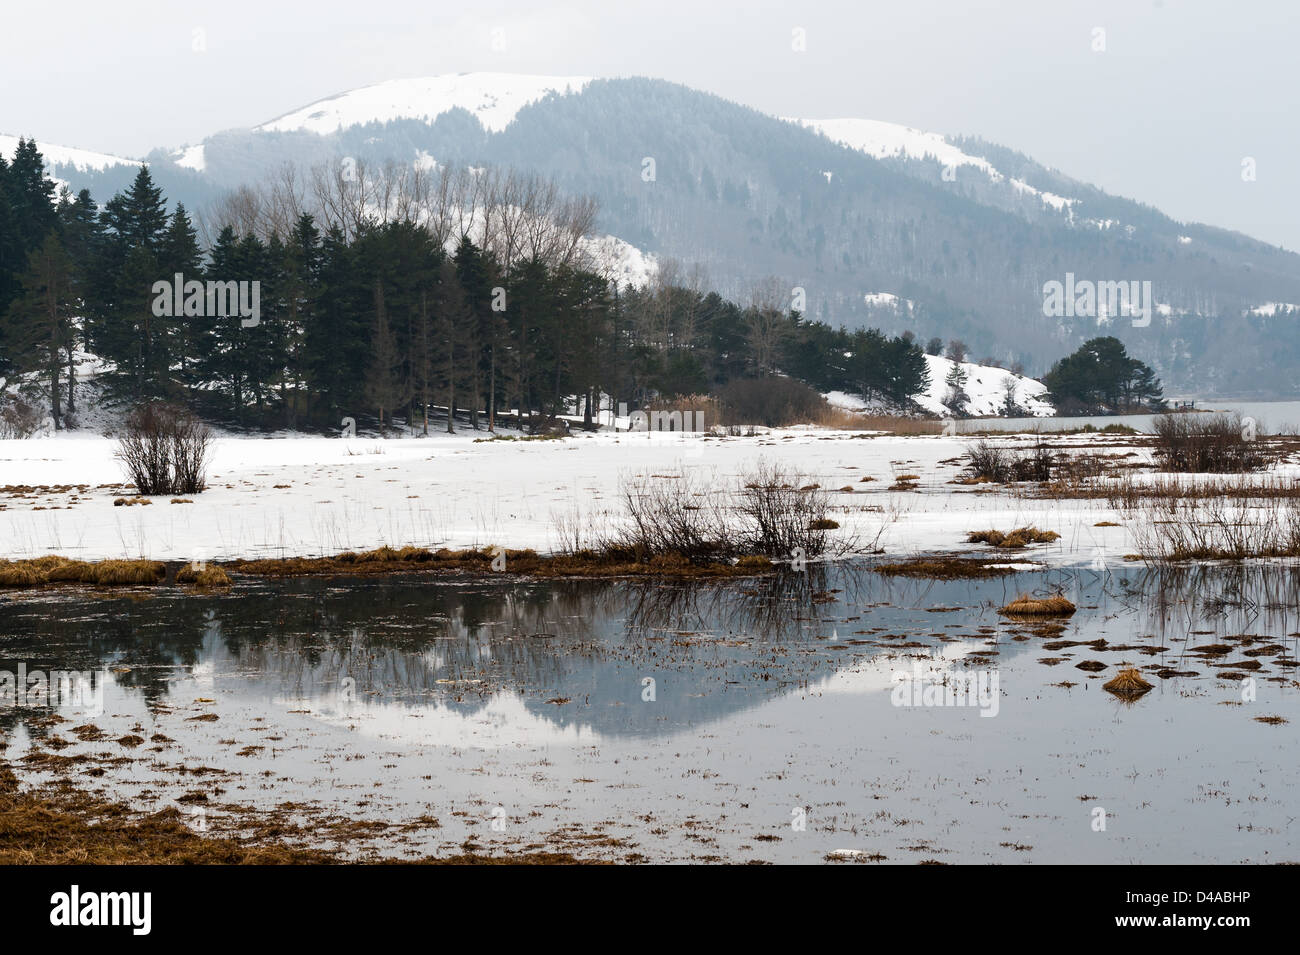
(578, 656)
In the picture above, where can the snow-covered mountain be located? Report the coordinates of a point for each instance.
(882, 224)
(494, 99)
(68, 158)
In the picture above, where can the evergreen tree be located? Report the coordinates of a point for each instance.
(38, 324)
(123, 328)
(179, 254)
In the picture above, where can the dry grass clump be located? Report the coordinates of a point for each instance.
(67, 571)
(52, 569)
(125, 572)
(1028, 606)
(1128, 684)
(18, 576)
(942, 568)
(208, 577)
(1012, 540)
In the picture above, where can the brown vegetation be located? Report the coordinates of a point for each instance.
(1027, 606)
(105, 573)
(1012, 540)
(943, 568)
(1128, 684)
(66, 827)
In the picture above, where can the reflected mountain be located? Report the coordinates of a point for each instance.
(473, 662)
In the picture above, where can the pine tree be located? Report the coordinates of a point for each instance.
(300, 272)
(122, 326)
(139, 215)
(384, 386)
(38, 324)
(179, 254)
(31, 196)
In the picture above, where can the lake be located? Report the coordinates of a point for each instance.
(1270, 416)
(780, 719)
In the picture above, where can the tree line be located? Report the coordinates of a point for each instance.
(469, 295)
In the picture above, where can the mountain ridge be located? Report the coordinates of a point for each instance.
(968, 230)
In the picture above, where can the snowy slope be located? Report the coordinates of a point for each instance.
(191, 157)
(82, 160)
(882, 140)
(985, 386)
(494, 98)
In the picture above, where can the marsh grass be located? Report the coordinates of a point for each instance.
(105, 573)
(1012, 540)
(1028, 606)
(1178, 528)
(1128, 684)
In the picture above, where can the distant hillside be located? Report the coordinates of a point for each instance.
(861, 215)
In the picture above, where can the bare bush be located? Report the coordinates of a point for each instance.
(1004, 465)
(783, 514)
(18, 418)
(772, 513)
(165, 449)
(1200, 443)
(676, 514)
(772, 401)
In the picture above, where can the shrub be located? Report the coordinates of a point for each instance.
(678, 516)
(772, 401)
(772, 514)
(165, 449)
(783, 514)
(1202, 443)
(1005, 465)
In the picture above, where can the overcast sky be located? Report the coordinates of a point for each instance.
(1183, 91)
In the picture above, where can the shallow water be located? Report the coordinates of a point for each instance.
(518, 714)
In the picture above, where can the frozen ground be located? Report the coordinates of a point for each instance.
(305, 496)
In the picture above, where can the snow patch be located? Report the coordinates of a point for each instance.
(494, 98)
(882, 140)
(1269, 309)
(191, 157)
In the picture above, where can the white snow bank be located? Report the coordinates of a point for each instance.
(494, 98)
(986, 387)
